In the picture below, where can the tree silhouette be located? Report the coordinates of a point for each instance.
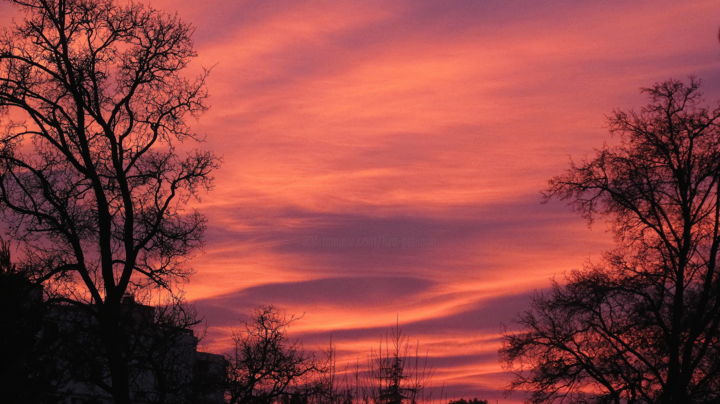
(470, 401)
(398, 372)
(265, 365)
(90, 179)
(643, 325)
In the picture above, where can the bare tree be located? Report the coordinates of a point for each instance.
(90, 179)
(265, 365)
(398, 372)
(164, 346)
(350, 384)
(643, 325)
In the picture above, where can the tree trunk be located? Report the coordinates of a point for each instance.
(113, 336)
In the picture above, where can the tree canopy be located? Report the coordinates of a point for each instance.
(642, 325)
(266, 366)
(91, 182)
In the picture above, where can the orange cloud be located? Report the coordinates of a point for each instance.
(372, 147)
(383, 160)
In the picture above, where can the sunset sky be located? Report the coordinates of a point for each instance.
(384, 160)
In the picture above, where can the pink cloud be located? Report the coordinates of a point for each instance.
(349, 125)
(385, 158)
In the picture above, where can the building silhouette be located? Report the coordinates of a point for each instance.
(51, 353)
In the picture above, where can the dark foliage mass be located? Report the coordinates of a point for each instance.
(25, 374)
(52, 351)
(642, 326)
(470, 401)
(91, 183)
